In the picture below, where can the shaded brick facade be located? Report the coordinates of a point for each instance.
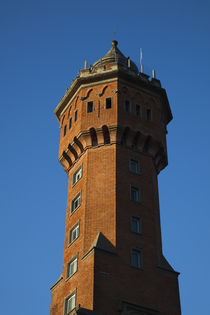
(113, 116)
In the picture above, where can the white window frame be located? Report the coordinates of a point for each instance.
(139, 253)
(139, 220)
(77, 175)
(72, 267)
(76, 198)
(76, 228)
(138, 192)
(137, 171)
(71, 297)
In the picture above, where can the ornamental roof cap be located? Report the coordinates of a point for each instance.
(115, 55)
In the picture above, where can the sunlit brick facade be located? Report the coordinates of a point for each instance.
(112, 147)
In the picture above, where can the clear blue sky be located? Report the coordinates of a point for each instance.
(43, 46)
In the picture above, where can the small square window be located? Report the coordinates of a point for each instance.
(138, 110)
(76, 202)
(135, 193)
(149, 114)
(108, 103)
(134, 166)
(71, 267)
(127, 106)
(77, 175)
(74, 233)
(75, 116)
(136, 224)
(89, 107)
(64, 131)
(70, 303)
(70, 123)
(136, 258)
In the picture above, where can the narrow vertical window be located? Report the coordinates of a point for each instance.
(70, 303)
(127, 106)
(136, 225)
(138, 110)
(76, 202)
(71, 267)
(69, 113)
(108, 103)
(135, 194)
(149, 114)
(134, 166)
(74, 233)
(64, 130)
(89, 107)
(77, 175)
(75, 116)
(136, 258)
(70, 123)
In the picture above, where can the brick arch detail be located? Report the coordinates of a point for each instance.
(87, 95)
(109, 135)
(94, 138)
(103, 90)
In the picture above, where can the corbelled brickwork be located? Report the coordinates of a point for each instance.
(112, 146)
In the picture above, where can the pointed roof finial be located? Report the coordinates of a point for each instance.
(114, 43)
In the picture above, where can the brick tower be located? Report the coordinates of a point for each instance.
(112, 146)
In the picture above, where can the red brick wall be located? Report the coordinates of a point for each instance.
(104, 279)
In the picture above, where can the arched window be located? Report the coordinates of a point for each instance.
(106, 135)
(124, 136)
(79, 144)
(62, 120)
(69, 112)
(93, 137)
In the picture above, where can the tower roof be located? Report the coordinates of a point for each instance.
(115, 55)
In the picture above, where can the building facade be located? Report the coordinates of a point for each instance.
(112, 146)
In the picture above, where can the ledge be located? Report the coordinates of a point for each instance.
(56, 283)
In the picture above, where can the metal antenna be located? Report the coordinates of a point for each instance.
(141, 60)
(114, 33)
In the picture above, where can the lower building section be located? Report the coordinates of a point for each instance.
(106, 284)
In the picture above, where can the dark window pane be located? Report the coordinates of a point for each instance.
(75, 116)
(135, 193)
(64, 131)
(89, 107)
(70, 123)
(138, 110)
(149, 114)
(108, 103)
(136, 259)
(135, 225)
(127, 106)
(134, 166)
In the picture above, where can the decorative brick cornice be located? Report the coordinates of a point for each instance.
(125, 136)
